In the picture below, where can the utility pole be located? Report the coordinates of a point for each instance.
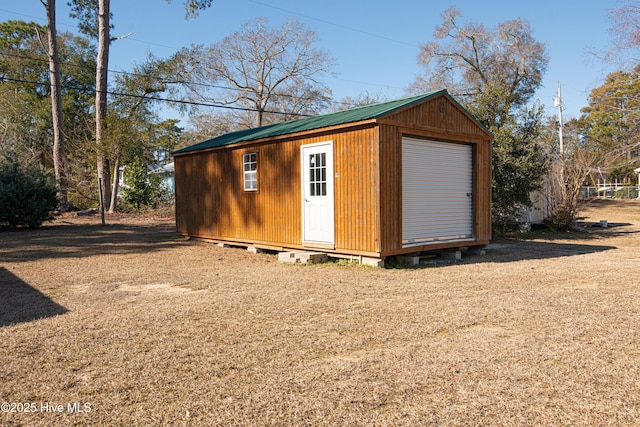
(564, 193)
(558, 103)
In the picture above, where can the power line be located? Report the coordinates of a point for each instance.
(345, 27)
(185, 83)
(157, 98)
(367, 33)
(128, 73)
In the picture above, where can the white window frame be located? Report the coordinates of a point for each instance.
(250, 171)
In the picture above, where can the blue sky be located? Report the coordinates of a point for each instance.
(375, 43)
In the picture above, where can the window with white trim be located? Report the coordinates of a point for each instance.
(250, 171)
(318, 174)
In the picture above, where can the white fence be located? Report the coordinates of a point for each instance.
(611, 191)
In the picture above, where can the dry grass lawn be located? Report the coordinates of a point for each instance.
(148, 328)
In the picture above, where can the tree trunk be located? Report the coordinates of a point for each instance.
(59, 166)
(116, 185)
(101, 99)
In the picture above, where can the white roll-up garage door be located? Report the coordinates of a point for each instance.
(437, 185)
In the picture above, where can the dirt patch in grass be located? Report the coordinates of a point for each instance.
(149, 328)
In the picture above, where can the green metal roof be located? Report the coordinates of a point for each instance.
(373, 111)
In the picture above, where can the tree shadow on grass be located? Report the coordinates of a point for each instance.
(20, 302)
(519, 250)
(527, 247)
(545, 244)
(503, 251)
(590, 231)
(84, 240)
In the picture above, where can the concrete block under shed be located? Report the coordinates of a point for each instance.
(302, 257)
(373, 262)
(287, 257)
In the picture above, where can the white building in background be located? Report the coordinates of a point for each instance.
(168, 180)
(166, 171)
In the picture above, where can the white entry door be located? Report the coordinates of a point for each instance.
(317, 193)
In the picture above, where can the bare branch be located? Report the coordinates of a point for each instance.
(264, 65)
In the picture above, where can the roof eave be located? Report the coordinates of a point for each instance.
(281, 137)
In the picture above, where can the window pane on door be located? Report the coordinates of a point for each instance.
(318, 174)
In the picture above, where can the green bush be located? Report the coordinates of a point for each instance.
(563, 217)
(27, 196)
(142, 188)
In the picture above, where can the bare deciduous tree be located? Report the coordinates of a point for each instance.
(263, 69)
(471, 59)
(360, 100)
(625, 29)
(567, 174)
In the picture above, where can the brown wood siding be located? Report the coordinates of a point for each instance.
(194, 195)
(441, 116)
(357, 205)
(390, 187)
(482, 191)
(212, 203)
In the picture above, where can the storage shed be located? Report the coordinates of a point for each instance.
(393, 178)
